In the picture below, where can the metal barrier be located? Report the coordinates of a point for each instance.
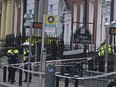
(50, 74)
(66, 80)
(95, 83)
(92, 73)
(96, 78)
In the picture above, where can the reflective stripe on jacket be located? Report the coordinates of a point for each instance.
(103, 48)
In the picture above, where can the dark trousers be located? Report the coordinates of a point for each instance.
(11, 74)
(101, 64)
(26, 73)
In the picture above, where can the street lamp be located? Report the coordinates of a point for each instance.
(113, 23)
(28, 24)
(107, 26)
(113, 27)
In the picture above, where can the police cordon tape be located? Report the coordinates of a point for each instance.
(69, 77)
(55, 61)
(51, 61)
(30, 71)
(59, 61)
(89, 77)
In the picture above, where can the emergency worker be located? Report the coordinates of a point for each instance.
(101, 55)
(25, 58)
(12, 55)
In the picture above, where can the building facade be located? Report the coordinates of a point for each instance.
(0, 12)
(92, 14)
(71, 15)
(7, 18)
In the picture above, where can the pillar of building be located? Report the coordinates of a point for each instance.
(0, 26)
(95, 21)
(78, 13)
(0, 15)
(18, 18)
(9, 17)
(3, 19)
(87, 21)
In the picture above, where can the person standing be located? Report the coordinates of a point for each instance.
(12, 55)
(25, 58)
(101, 55)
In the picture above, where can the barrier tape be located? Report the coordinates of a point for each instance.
(63, 76)
(73, 59)
(89, 77)
(98, 76)
(30, 71)
(60, 60)
(95, 72)
(20, 65)
(57, 61)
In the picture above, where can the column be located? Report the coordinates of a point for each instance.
(3, 20)
(0, 27)
(78, 13)
(12, 16)
(9, 17)
(95, 22)
(18, 18)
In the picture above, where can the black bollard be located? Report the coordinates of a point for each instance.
(4, 74)
(76, 82)
(57, 81)
(20, 77)
(66, 82)
(111, 84)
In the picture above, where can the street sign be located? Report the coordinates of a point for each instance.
(50, 21)
(29, 16)
(50, 30)
(37, 25)
(27, 24)
(82, 36)
(113, 30)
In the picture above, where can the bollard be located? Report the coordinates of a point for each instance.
(76, 82)
(20, 77)
(50, 75)
(66, 82)
(57, 81)
(111, 84)
(4, 74)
